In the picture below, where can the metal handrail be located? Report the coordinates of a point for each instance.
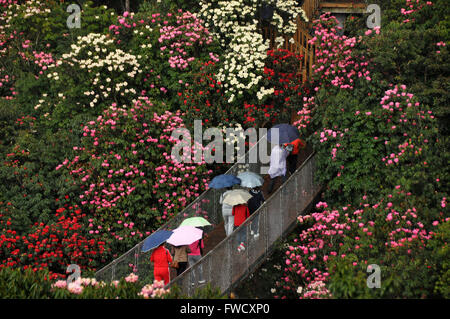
(174, 219)
(227, 242)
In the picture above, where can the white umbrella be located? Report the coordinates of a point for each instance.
(237, 197)
(250, 179)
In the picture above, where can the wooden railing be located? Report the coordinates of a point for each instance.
(310, 7)
(301, 38)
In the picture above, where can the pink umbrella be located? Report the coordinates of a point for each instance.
(184, 235)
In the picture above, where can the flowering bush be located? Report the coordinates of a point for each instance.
(26, 284)
(170, 48)
(337, 245)
(129, 182)
(379, 156)
(243, 44)
(51, 246)
(90, 288)
(382, 127)
(93, 73)
(63, 91)
(37, 31)
(280, 75)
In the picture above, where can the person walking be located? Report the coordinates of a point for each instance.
(181, 258)
(253, 204)
(277, 165)
(240, 213)
(161, 258)
(228, 218)
(196, 252)
(294, 148)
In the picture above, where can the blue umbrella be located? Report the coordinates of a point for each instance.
(224, 180)
(156, 239)
(286, 132)
(250, 179)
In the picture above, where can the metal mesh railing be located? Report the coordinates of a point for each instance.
(206, 205)
(224, 266)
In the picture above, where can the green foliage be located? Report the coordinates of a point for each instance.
(170, 53)
(348, 282)
(440, 259)
(29, 284)
(165, 6)
(24, 284)
(206, 292)
(379, 126)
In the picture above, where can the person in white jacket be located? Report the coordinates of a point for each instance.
(227, 213)
(277, 164)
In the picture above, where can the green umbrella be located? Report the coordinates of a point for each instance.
(195, 221)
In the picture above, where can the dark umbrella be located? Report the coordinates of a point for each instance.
(156, 239)
(286, 133)
(224, 180)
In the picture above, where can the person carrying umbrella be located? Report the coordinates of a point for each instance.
(280, 134)
(161, 258)
(254, 182)
(294, 148)
(189, 235)
(238, 198)
(225, 181)
(194, 256)
(277, 165)
(240, 213)
(253, 204)
(180, 258)
(227, 213)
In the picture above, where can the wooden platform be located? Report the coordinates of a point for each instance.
(342, 7)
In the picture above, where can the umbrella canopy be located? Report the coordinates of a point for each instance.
(224, 180)
(156, 239)
(286, 133)
(250, 179)
(185, 235)
(236, 197)
(195, 221)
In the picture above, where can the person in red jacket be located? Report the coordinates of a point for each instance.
(240, 213)
(295, 147)
(161, 258)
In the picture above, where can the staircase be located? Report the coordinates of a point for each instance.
(223, 266)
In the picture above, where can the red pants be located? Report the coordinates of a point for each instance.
(162, 273)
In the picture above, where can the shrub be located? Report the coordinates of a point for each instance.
(52, 246)
(240, 36)
(379, 155)
(340, 243)
(28, 284)
(126, 177)
(171, 48)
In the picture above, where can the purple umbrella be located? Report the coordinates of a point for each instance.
(185, 235)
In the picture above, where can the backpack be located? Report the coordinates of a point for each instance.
(200, 246)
